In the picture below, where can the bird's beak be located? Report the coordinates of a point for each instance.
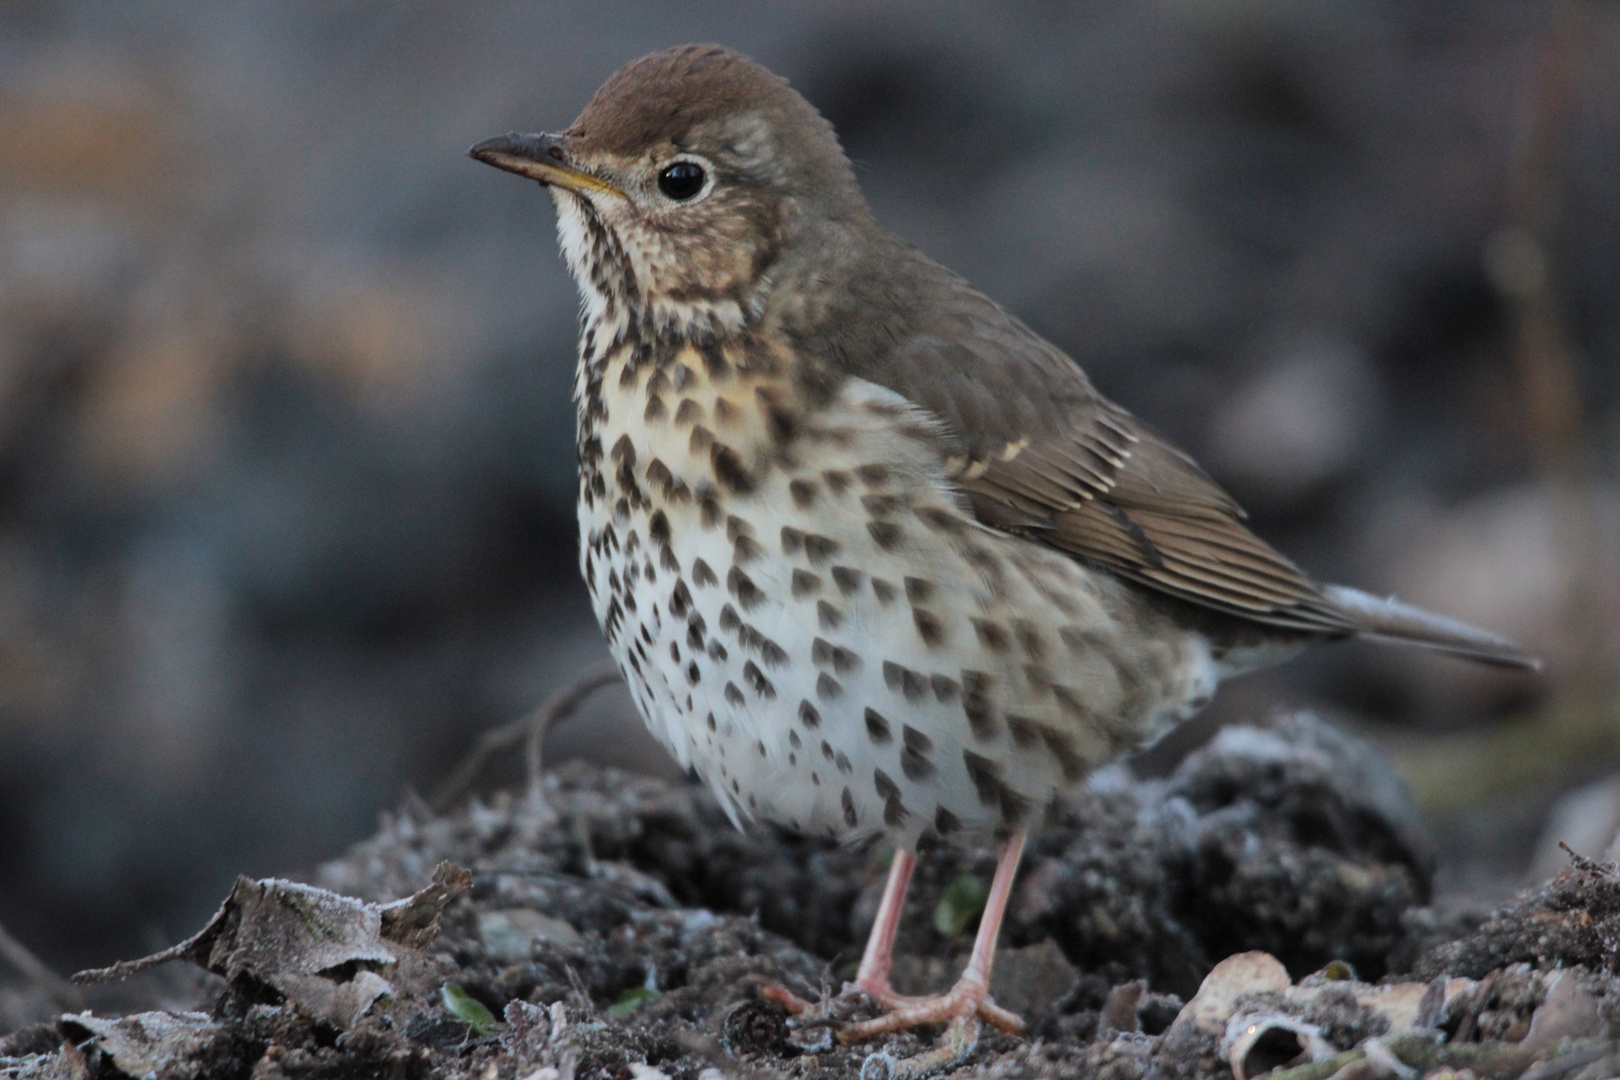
(539, 157)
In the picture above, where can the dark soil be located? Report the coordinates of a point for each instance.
(623, 928)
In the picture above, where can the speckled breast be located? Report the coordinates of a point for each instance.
(809, 619)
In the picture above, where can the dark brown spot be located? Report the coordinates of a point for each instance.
(877, 728)
(700, 440)
(756, 679)
(709, 510)
(991, 635)
(688, 412)
(882, 506)
(848, 802)
(680, 600)
(792, 540)
(1072, 764)
(828, 687)
(976, 704)
(714, 361)
(819, 549)
(772, 653)
(919, 591)
(674, 652)
(745, 549)
(983, 772)
(725, 411)
(945, 689)
(929, 627)
(808, 716)
(624, 451)
(659, 475)
(894, 812)
(945, 822)
(1023, 731)
(827, 616)
(702, 574)
(873, 475)
(1029, 638)
(903, 680)
(1071, 702)
(847, 579)
(940, 519)
(781, 423)
(692, 673)
(655, 409)
(668, 561)
(717, 650)
(658, 528)
(837, 480)
(734, 695)
(1014, 807)
(729, 470)
(843, 764)
(884, 590)
(886, 534)
(793, 738)
(842, 660)
(914, 758)
(886, 787)
(827, 750)
(804, 583)
(803, 493)
(743, 588)
(711, 722)
(729, 619)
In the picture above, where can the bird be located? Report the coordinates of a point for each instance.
(874, 557)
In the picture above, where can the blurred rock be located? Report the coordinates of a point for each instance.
(1586, 821)
(1495, 561)
(1303, 420)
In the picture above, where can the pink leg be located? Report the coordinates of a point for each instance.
(969, 999)
(873, 977)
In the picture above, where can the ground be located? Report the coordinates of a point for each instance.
(1265, 905)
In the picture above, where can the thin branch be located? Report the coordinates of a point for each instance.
(531, 729)
(64, 993)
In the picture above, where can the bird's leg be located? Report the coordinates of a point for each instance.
(963, 1004)
(873, 977)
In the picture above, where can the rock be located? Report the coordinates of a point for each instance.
(510, 935)
(1030, 980)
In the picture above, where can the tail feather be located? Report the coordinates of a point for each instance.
(1401, 624)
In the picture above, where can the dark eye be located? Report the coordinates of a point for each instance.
(681, 180)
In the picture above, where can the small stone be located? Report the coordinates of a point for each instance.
(509, 935)
(1030, 980)
(1216, 1000)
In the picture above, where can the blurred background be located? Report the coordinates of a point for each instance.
(286, 457)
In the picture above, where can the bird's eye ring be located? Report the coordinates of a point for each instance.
(682, 180)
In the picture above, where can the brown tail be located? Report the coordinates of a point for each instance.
(1400, 624)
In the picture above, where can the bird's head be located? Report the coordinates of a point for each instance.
(691, 180)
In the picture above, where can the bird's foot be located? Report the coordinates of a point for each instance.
(968, 1000)
(961, 1009)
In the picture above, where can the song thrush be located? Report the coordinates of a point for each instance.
(873, 556)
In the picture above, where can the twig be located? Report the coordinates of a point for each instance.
(531, 727)
(64, 993)
(1521, 260)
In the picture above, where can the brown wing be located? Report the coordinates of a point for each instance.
(1040, 451)
(1104, 487)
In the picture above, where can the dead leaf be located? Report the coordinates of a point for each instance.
(331, 956)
